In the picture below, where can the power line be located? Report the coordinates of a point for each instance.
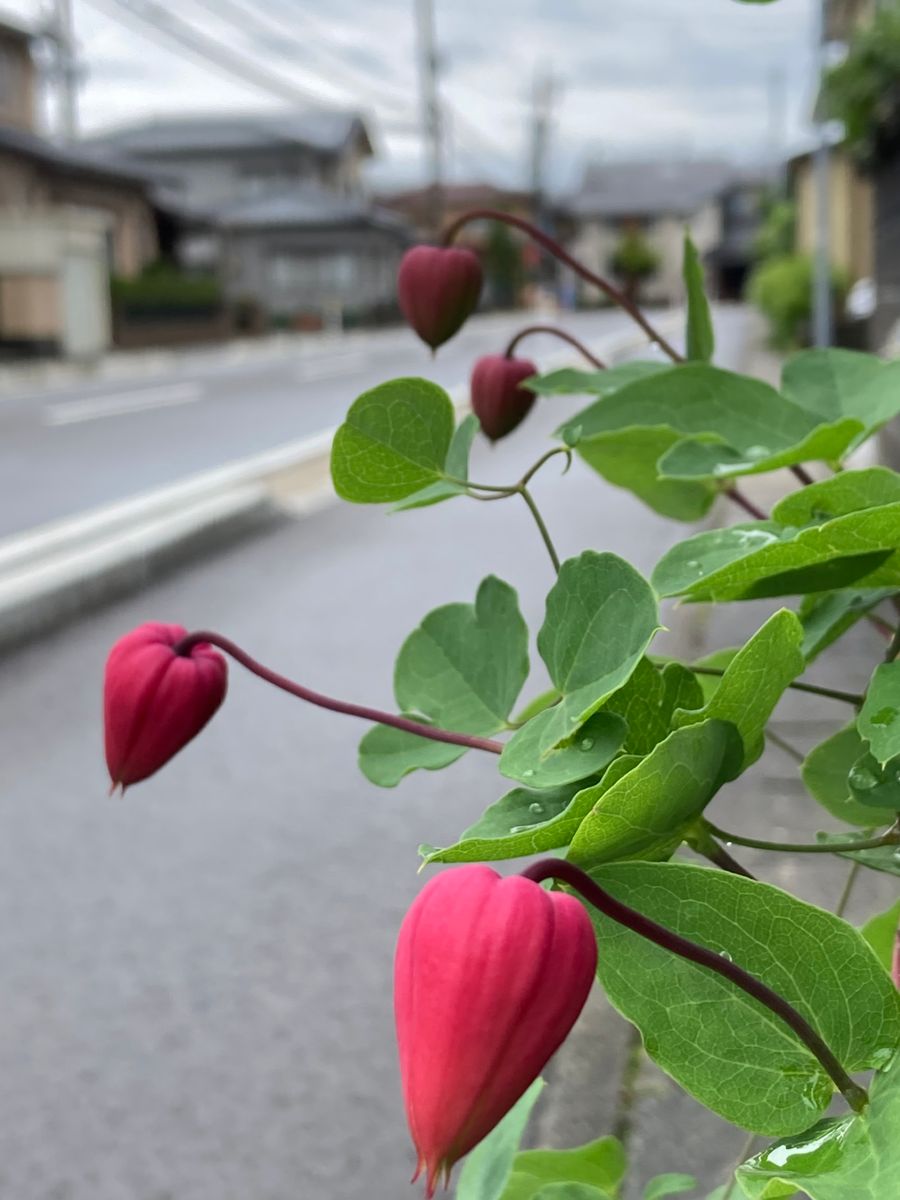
(157, 22)
(246, 18)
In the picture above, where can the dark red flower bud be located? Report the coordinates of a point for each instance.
(489, 978)
(155, 700)
(438, 289)
(498, 400)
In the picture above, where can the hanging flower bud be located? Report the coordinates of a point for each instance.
(438, 289)
(155, 700)
(498, 400)
(489, 977)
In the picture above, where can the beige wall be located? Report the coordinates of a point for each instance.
(28, 187)
(17, 82)
(851, 199)
(29, 308)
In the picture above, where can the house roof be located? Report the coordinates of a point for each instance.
(70, 160)
(325, 130)
(309, 207)
(646, 189)
(12, 27)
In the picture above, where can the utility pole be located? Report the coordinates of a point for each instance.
(432, 123)
(821, 298)
(542, 96)
(775, 127)
(66, 69)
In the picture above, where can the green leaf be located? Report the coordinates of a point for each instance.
(487, 1168)
(844, 383)
(386, 755)
(846, 1158)
(827, 616)
(879, 719)
(882, 858)
(649, 700)
(465, 665)
(700, 340)
(761, 558)
(599, 1164)
(754, 682)
(647, 812)
(537, 705)
(570, 1191)
(848, 492)
(601, 616)
(669, 1185)
(875, 785)
(825, 773)
(536, 757)
(728, 1051)
(627, 458)
(526, 821)
(393, 442)
(569, 381)
(881, 933)
(456, 466)
(462, 669)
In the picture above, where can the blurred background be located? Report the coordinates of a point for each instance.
(202, 209)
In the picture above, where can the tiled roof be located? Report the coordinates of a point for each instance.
(648, 188)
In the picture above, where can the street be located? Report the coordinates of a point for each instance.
(66, 450)
(197, 1001)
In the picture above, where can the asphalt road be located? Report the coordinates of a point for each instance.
(67, 450)
(197, 977)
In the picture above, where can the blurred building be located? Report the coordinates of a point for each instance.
(851, 224)
(66, 218)
(275, 203)
(653, 202)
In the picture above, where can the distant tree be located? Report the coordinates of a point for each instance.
(503, 266)
(634, 260)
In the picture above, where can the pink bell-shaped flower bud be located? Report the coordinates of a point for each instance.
(438, 289)
(489, 977)
(498, 400)
(155, 700)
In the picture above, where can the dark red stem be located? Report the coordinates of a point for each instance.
(562, 335)
(802, 474)
(746, 504)
(419, 728)
(566, 872)
(553, 246)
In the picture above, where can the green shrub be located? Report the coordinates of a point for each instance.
(162, 288)
(781, 288)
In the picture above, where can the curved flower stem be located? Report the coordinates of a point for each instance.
(890, 838)
(802, 474)
(700, 839)
(419, 728)
(853, 698)
(545, 458)
(550, 244)
(894, 648)
(746, 504)
(539, 521)
(884, 627)
(568, 873)
(562, 334)
(847, 891)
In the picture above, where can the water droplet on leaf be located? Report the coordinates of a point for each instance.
(586, 744)
(862, 779)
(536, 808)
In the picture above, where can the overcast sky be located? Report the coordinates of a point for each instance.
(636, 78)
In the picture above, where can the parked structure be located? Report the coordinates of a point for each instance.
(280, 209)
(657, 200)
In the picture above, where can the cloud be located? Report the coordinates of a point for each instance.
(634, 76)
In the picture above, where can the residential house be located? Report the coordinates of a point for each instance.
(66, 220)
(741, 206)
(658, 200)
(288, 223)
(851, 204)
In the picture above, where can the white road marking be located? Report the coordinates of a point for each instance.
(330, 367)
(96, 408)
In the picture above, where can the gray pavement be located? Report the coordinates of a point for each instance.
(64, 450)
(197, 1001)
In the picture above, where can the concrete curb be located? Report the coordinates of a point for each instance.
(52, 574)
